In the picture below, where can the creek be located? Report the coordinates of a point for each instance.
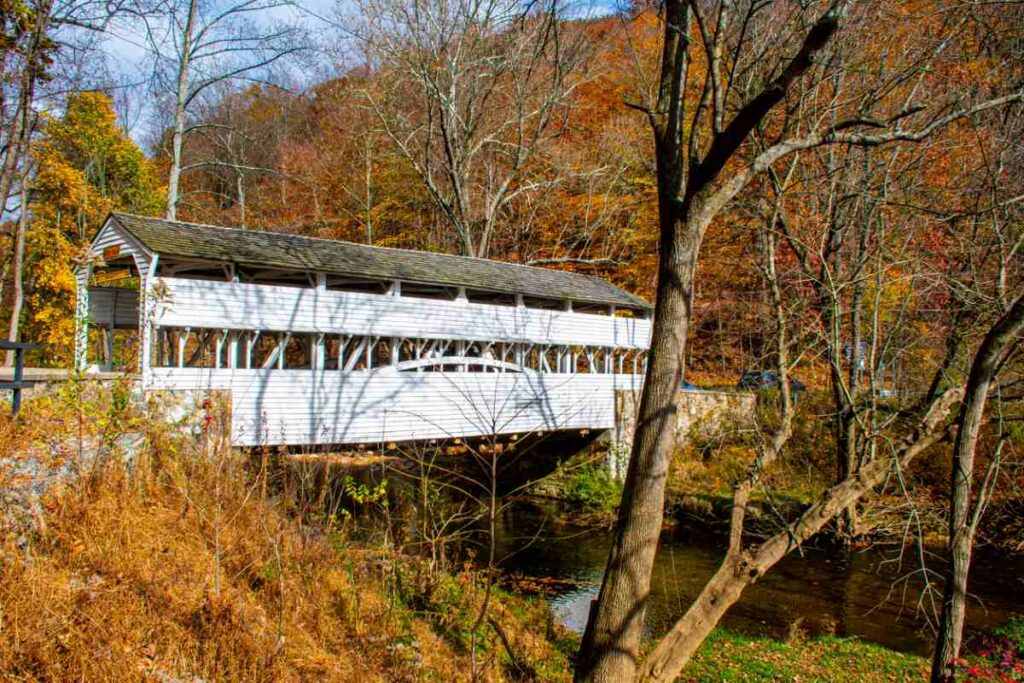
(874, 594)
(878, 594)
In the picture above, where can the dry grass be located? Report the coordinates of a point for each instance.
(180, 568)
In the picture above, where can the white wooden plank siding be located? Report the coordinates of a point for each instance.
(236, 305)
(110, 236)
(331, 407)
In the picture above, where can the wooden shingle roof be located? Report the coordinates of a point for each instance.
(293, 252)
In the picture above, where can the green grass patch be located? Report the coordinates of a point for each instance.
(727, 656)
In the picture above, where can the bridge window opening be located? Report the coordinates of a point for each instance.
(184, 347)
(361, 286)
(113, 349)
(592, 309)
(331, 351)
(262, 349)
(298, 352)
(421, 291)
(579, 359)
(279, 278)
(619, 362)
(120, 273)
(215, 274)
(407, 350)
(360, 353)
(195, 270)
(543, 304)
(548, 360)
(192, 348)
(476, 296)
(382, 353)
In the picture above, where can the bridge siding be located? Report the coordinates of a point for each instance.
(307, 407)
(110, 236)
(236, 305)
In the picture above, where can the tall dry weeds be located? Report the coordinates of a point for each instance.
(173, 563)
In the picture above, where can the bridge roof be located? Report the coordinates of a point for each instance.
(293, 252)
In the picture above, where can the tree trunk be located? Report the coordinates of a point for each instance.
(961, 529)
(612, 640)
(19, 264)
(240, 196)
(19, 132)
(180, 107)
(846, 449)
(611, 643)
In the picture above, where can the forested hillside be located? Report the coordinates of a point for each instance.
(551, 163)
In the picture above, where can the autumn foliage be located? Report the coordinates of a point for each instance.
(87, 167)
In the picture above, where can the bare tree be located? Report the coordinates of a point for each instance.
(235, 142)
(991, 220)
(13, 330)
(849, 253)
(468, 92)
(964, 512)
(200, 44)
(703, 162)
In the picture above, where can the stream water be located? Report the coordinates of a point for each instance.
(873, 594)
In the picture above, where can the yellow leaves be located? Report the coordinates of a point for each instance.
(51, 288)
(87, 167)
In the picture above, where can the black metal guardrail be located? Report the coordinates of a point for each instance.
(18, 382)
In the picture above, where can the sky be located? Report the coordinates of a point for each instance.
(126, 60)
(129, 61)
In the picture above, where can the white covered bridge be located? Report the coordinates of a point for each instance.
(327, 342)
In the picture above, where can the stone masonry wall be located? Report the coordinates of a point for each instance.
(704, 409)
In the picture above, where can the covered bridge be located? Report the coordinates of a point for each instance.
(328, 342)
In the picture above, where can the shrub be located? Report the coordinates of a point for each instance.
(592, 487)
(1001, 658)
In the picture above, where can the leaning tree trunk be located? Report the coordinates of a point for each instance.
(740, 569)
(961, 528)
